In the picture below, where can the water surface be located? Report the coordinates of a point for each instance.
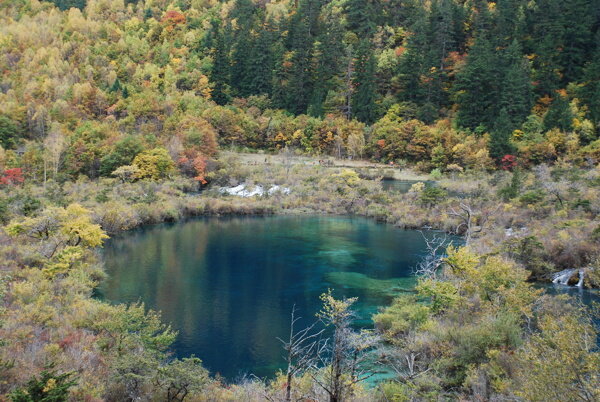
(228, 284)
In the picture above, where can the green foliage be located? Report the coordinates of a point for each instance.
(560, 357)
(4, 212)
(363, 99)
(182, 377)
(129, 327)
(49, 387)
(442, 294)
(8, 132)
(559, 115)
(530, 252)
(406, 313)
(432, 195)
(512, 189)
(123, 154)
(532, 197)
(500, 136)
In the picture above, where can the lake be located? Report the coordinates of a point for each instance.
(228, 284)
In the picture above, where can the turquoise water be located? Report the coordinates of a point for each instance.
(228, 284)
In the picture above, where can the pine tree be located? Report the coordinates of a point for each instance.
(304, 27)
(578, 19)
(260, 63)
(116, 86)
(220, 71)
(516, 89)
(328, 51)
(559, 115)
(590, 89)
(363, 100)
(476, 90)
(280, 76)
(546, 40)
(413, 65)
(240, 65)
(500, 136)
(361, 16)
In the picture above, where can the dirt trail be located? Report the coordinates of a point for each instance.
(389, 171)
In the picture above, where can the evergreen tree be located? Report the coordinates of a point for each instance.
(509, 22)
(9, 131)
(590, 89)
(476, 90)
(516, 97)
(545, 41)
(116, 86)
(260, 63)
(559, 115)
(578, 19)
(304, 27)
(241, 76)
(220, 71)
(413, 65)
(66, 4)
(500, 136)
(328, 51)
(280, 76)
(363, 100)
(361, 16)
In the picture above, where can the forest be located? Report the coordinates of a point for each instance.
(118, 114)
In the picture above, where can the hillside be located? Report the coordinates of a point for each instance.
(476, 123)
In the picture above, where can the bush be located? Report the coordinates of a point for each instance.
(432, 195)
(532, 197)
(50, 387)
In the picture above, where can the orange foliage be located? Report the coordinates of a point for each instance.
(173, 18)
(200, 167)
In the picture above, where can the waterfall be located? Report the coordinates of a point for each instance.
(580, 282)
(562, 277)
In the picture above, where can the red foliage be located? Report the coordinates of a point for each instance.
(508, 162)
(173, 18)
(381, 143)
(200, 167)
(70, 339)
(193, 163)
(12, 177)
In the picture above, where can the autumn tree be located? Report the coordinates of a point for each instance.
(154, 164)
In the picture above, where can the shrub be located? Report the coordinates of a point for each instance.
(532, 197)
(432, 195)
(50, 386)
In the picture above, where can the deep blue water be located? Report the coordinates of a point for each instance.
(228, 284)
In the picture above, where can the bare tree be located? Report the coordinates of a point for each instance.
(342, 358)
(287, 155)
(433, 260)
(54, 146)
(470, 220)
(301, 348)
(553, 187)
(407, 362)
